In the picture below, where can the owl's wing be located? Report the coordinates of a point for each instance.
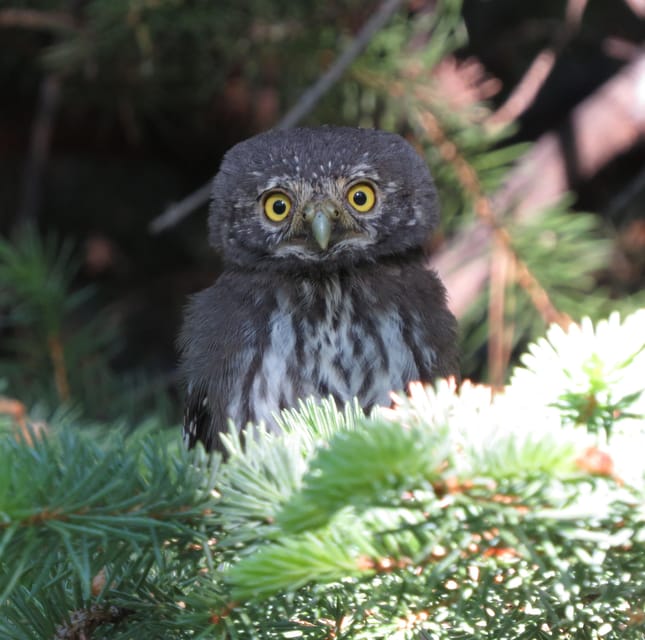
(223, 326)
(196, 417)
(428, 327)
(435, 326)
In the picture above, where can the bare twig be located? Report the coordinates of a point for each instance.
(32, 19)
(307, 101)
(177, 212)
(57, 356)
(524, 93)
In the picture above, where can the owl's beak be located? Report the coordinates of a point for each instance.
(321, 217)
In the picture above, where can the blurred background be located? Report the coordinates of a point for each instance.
(112, 112)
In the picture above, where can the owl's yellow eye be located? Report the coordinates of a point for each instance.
(362, 197)
(277, 206)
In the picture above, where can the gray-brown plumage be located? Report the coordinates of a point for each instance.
(324, 290)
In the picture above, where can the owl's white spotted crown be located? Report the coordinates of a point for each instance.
(318, 197)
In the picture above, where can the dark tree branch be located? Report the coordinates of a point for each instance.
(308, 100)
(32, 19)
(312, 96)
(626, 195)
(41, 134)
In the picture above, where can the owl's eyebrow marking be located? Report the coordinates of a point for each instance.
(276, 182)
(362, 166)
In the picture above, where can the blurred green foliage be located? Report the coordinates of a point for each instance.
(59, 341)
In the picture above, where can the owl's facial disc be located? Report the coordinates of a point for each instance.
(323, 218)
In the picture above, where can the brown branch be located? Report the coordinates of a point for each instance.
(32, 19)
(307, 101)
(83, 622)
(57, 357)
(499, 340)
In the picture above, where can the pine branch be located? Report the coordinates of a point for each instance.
(56, 357)
(91, 492)
(350, 471)
(454, 512)
(484, 210)
(605, 125)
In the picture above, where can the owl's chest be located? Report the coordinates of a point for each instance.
(332, 339)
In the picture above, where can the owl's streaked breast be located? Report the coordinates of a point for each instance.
(326, 337)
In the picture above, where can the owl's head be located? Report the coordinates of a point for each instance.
(320, 197)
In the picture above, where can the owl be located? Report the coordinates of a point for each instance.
(324, 291)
